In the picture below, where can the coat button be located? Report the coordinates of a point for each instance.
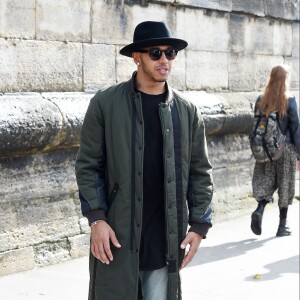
(167, 130)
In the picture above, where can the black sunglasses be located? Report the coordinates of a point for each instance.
(156, 53)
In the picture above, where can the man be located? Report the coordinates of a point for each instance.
(142, 161)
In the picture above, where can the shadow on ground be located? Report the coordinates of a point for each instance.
(278, 268)
(223, 251)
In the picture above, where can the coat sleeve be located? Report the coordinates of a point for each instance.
(90, 163)
(200, 185)
(293, 124)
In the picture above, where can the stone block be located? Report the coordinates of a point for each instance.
(72, 107)
(79, 245)
(250, 72)
(206, 70)
(65, 20)
(52, 253)
(295, 70)
(99, 66)
(255, 7)
(40, 66)
(17, 19)
(124, 67)
(283, 9)
(177, 79)
(84, 225)
(41, 122)
(118, 28)
(296, 40)
(263, 67)
(282, 38)
(250, 35)
(232, 197)
(212, 108)
(27, 123)
(224, 5)
(16, 261)
(224, 113)
(203, 31)
(42, 232)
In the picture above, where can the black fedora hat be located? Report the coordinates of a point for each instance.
(150, 33)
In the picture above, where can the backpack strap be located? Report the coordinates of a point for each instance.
(278, 122)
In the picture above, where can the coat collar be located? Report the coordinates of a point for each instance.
(131, 85)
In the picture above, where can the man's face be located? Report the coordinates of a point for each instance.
(154, 63)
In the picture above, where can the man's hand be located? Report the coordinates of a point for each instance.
(101, 235)
(194, 240)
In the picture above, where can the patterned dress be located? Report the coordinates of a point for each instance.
(278, 175)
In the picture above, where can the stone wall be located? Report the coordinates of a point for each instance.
(73, 45)
(53, 57)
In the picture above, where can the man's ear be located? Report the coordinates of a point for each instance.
(136, 58)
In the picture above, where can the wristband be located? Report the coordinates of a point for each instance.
(95, 222)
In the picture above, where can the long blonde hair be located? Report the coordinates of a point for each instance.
(275, 95)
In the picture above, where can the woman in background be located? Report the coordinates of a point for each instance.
(280, 174)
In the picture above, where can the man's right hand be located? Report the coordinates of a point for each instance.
(101, 235)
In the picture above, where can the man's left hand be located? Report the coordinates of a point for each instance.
(193, 239)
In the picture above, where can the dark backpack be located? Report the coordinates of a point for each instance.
(266, 139)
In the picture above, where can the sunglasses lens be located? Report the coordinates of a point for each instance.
(170, 54)
(155, 54)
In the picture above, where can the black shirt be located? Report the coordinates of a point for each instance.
(153, 239)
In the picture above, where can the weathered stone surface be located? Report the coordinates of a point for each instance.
(225, 113)
(206, 70)
(250, 35)
(231, 159)
(210, 30)
(122, 22)
(225, 5)
(250, 72)
(50, 65)
(99, 66)
(72, 107)
(284, 9)
(65, 20)
(282, 38)
(41, 123)
(125, 66)
(17, 19)
(79, 245)
(28, 66)
(256, 7)
(16, 261)
(32, 234)
(84, 225)
(295, 72)
(27, 122)
(177, 79)
(37, 199)
(296, 40)
(52, 253)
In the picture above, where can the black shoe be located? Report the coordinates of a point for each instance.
(283, 231)
(256, 220)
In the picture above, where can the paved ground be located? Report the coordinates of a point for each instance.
(224, 268)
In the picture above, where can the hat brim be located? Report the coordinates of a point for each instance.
(175, 43)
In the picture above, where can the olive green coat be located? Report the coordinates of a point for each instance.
(109, 171)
